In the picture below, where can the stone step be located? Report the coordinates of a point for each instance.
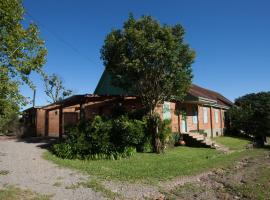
(202, 139)
(199, 139)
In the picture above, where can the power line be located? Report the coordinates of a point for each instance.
(59, 37)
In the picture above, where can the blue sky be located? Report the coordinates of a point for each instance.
(231, 39)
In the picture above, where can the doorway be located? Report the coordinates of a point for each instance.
(183, 120)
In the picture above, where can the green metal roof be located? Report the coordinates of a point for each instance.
(104, 86)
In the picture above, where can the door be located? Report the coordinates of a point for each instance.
(183, 121)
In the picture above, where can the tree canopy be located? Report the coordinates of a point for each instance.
(251, 114)
(150, 60)
(21, 52)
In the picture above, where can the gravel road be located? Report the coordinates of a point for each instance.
(28, 170)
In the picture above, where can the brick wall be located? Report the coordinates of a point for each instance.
(71, 116)
(53, 129)
(40, 122)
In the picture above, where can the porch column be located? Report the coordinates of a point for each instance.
(221, 121)
(211, 121)
(198, 119)
(60, 122)
(46, 122)
(82, 114)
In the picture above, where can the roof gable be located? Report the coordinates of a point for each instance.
(104, 87)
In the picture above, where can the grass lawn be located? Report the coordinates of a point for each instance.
(150, 168)
(15, 193)
(233, 143)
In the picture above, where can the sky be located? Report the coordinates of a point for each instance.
(231, 40)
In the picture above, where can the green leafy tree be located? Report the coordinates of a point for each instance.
(151, 61)
(251, 115)
(9, 107)
(55, 89)
(21, 52)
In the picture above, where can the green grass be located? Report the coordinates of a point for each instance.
(151, 168)
(4, 172)
(233, 143)
(57, 184)
(15, 193)
(257, 186)
(98, 187)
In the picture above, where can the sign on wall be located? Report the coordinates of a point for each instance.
(166, 110)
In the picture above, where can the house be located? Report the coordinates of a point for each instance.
(202, 110)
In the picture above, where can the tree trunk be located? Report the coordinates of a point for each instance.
(153, 127)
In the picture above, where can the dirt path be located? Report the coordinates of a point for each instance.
(22, 165)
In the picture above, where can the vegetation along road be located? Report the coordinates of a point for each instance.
(180, 173)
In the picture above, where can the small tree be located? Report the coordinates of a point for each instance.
(54, 88)
(252, 115)
(151, 61)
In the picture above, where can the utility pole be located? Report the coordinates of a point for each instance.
(34, 98)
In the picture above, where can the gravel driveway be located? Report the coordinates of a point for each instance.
(27, 170)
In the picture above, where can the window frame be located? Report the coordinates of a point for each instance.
(194, 115)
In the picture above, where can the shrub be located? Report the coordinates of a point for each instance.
(127, 132)
(251, 116)
(165, 133)
(63, 150)
(102, 139)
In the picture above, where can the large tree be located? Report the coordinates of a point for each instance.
(151, 61)
(251, 115)
(21, 52)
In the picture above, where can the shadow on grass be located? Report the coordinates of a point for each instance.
(243, 137)
(266, 147)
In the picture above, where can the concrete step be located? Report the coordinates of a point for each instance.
(202, 139)
(199, 139)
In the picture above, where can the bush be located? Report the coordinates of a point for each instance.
(102, 139)
(63, 150)
(165, 133)
(251, 116)
(127, 132)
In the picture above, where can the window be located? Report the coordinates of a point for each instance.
(194, 115)
(166, 110)
(216, 116)
(205, 115)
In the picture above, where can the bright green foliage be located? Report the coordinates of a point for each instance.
(55, 89)
(153, 168)
(127, 132)
(21, 52)
(149, 60)
(252, 114)
(102, 139)
(21, 49)
(165, 133)
(9, 102)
